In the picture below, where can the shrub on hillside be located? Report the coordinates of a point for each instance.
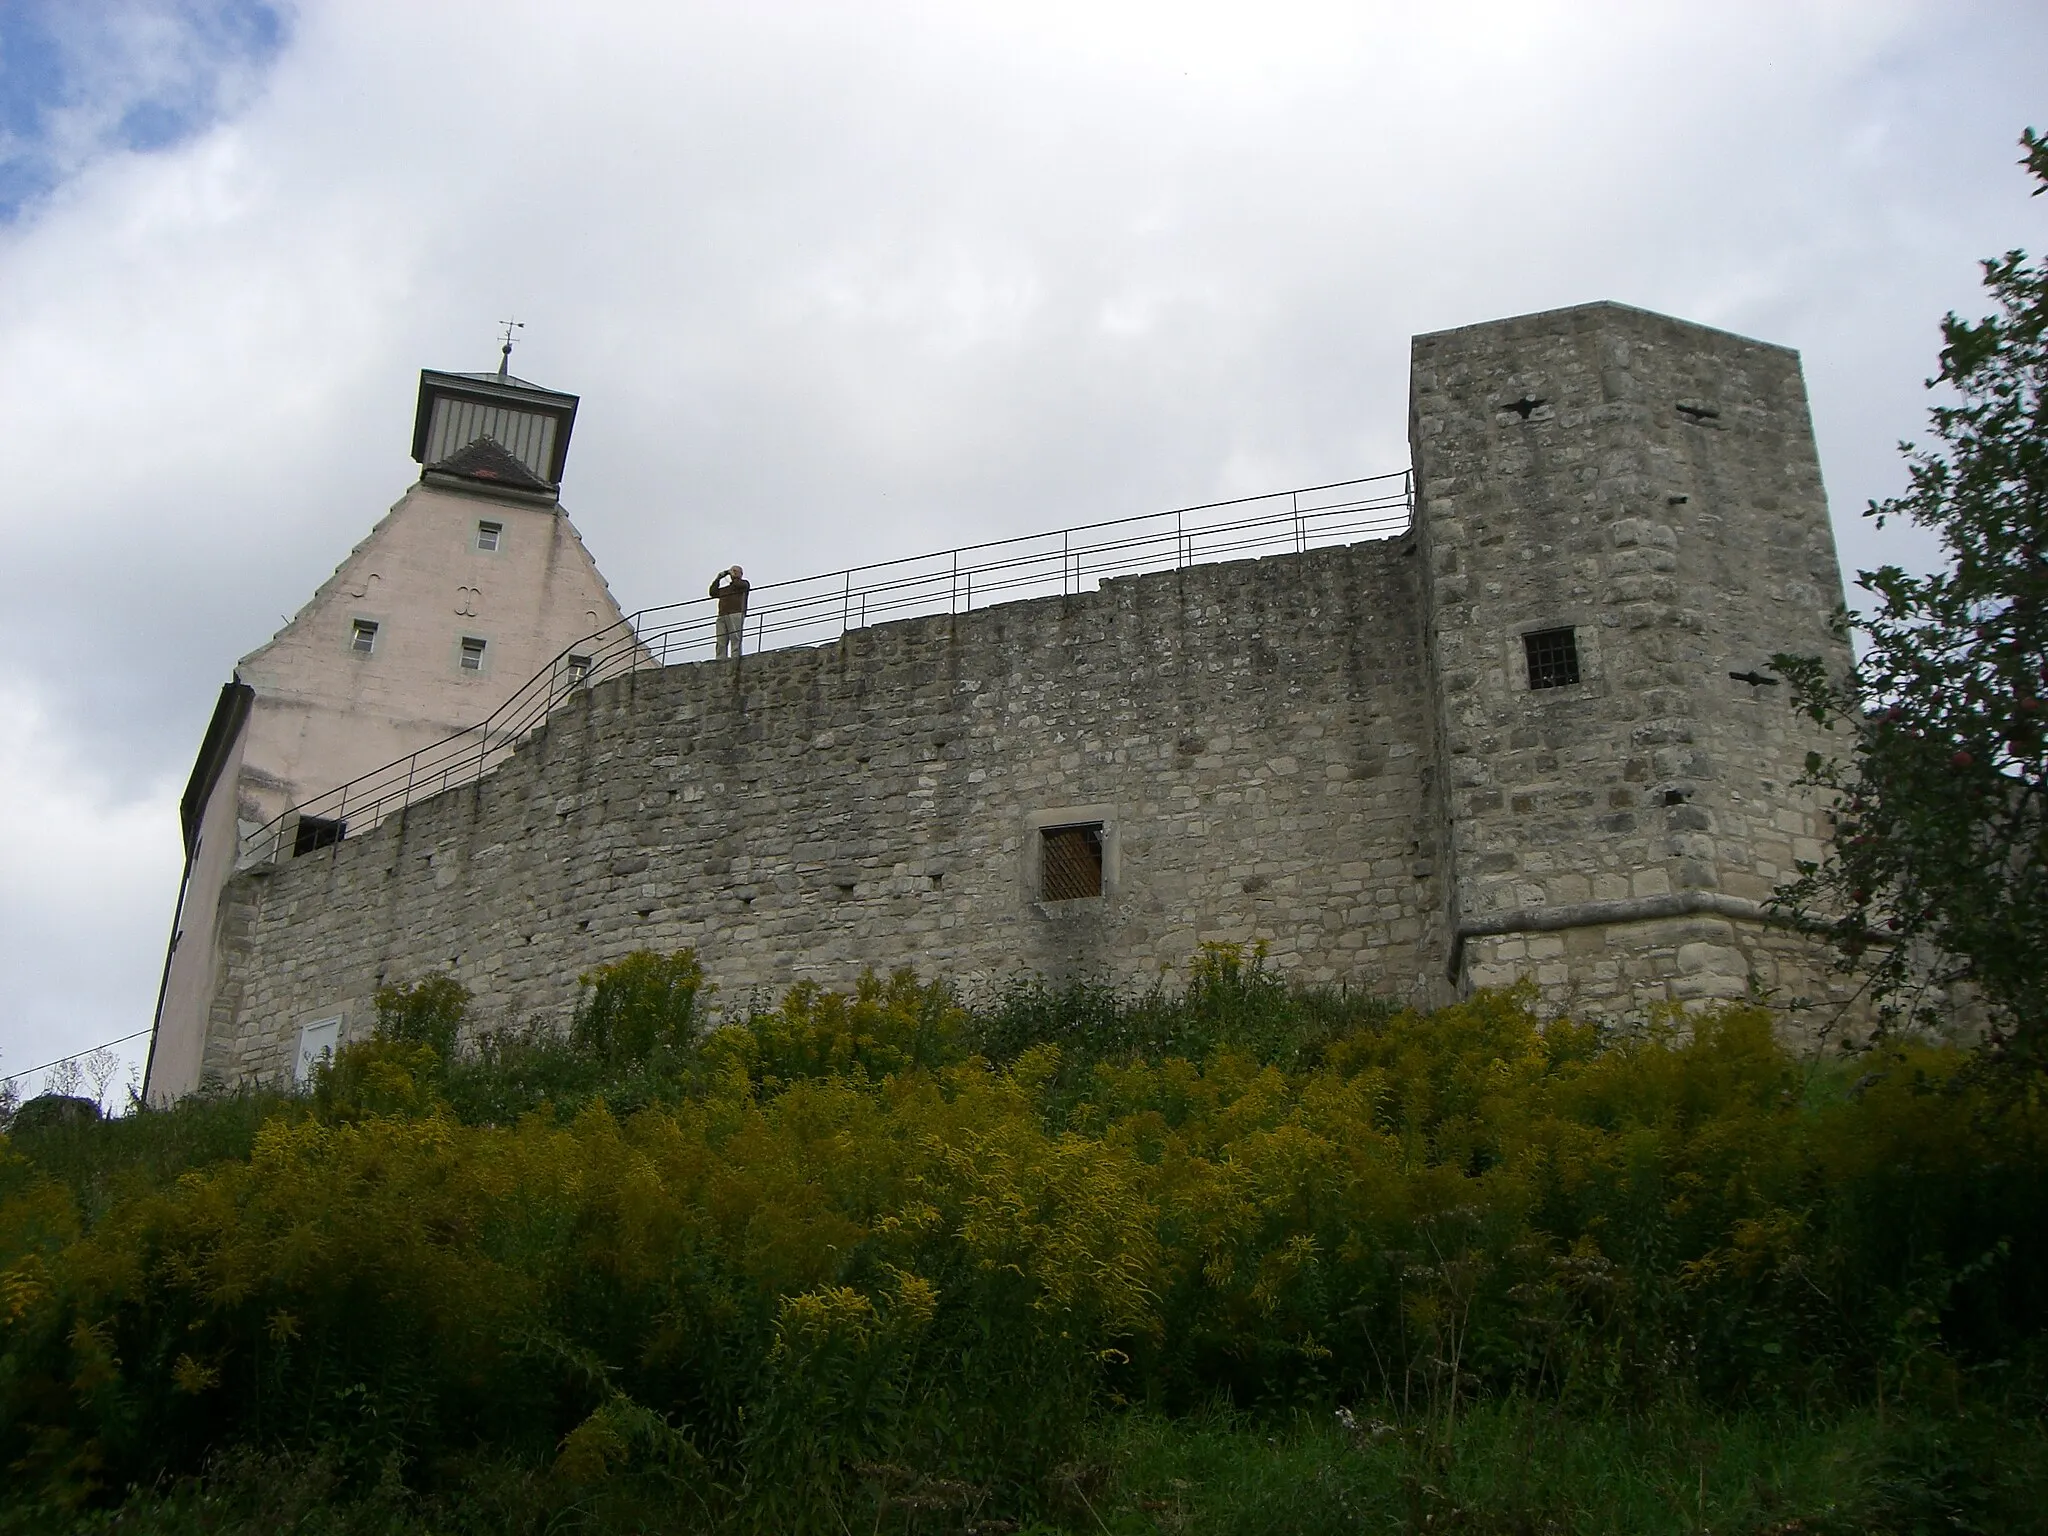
(879, 1029)
(839, 1242)
(1231, 999)
(429, 1012)
(637, 1006)
(398, 1070)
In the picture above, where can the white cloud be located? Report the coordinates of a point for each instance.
(844, 282)
(78, 82)
(90, 875)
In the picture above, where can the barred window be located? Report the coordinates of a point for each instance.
(487, 536)
(1553, 658)
(1070, 862)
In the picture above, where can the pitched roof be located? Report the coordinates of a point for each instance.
(489, 460)
(496, 380)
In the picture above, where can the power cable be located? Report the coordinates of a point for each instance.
(15, 1077)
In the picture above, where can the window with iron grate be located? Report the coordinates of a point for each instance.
(1553, 658)
(1070, 862)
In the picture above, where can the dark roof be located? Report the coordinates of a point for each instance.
(489, 460)
(230, 713)
(496, 389)
(504, 381)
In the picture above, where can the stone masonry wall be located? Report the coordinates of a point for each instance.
(1256, 738)
(1338, 753)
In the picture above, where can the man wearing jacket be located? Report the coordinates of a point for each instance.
(730, 588)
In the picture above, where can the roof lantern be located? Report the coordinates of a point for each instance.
(492, 431)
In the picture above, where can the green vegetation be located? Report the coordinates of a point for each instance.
(1230, 1257)
(1939, 867)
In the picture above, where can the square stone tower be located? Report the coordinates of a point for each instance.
(1622, 519)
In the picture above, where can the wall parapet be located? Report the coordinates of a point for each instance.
(811, 610)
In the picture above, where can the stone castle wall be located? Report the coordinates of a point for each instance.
(1339, 753)
(1255, 738)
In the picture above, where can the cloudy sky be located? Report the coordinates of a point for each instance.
(845, 280)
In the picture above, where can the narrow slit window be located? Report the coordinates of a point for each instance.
(1070, 863)
(364, 637)
(579, 668)
(315, 833)
(472, 654)
(1553, 658)
(488, 535)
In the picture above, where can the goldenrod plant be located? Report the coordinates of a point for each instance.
(879, 1259)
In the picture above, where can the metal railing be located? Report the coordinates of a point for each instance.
(817, 610)
(97, 1065)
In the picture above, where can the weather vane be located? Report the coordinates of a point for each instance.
(505, 353)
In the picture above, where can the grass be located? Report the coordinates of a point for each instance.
(1522, 1467)
(1514, 1468)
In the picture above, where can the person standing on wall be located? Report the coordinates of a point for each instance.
(730, 588)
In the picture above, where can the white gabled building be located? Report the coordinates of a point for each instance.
(472, 583)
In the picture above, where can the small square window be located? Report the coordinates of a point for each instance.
(472, 654)
(1070, 863)
(488, 535)
(1553, 657)
(364, 637)
(315, 833)
(579, 668)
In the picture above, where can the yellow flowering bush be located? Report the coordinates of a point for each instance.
(851, 1232)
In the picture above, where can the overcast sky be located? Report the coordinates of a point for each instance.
(838, 281)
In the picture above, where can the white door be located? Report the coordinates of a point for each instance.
(316, 1041)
